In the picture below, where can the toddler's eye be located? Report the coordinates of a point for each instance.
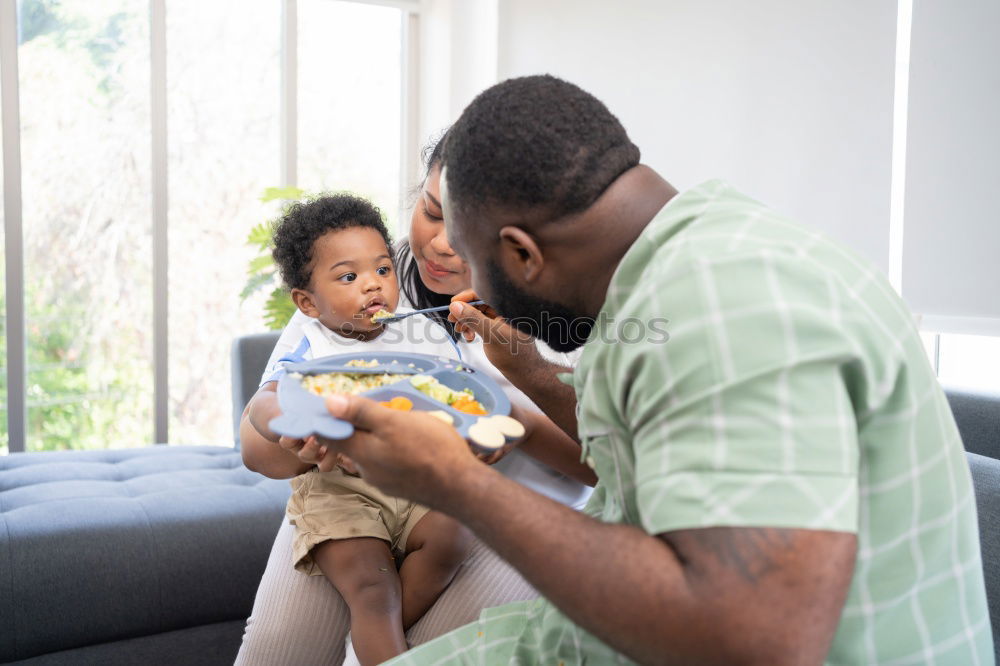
(384, 270)
(348, 277)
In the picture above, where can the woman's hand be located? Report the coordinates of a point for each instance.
(502, 342)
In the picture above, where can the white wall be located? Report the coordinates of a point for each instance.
(789, 101)
(458, 58)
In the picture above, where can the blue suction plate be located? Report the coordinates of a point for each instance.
(304, 413)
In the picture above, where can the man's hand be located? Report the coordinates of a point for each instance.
(502, 342)
(405, 454)
(515, 355)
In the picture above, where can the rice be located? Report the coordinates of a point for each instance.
(359, 363)
(346, 382)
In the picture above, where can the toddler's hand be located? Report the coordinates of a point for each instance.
(346, 464)
(309, 451)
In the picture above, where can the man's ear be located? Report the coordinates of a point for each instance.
(304, 301)
(520, 254)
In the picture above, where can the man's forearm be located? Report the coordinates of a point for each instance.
(615, 581)
(739, 594)
(725, 595)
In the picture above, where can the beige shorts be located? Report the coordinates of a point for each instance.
(333, 505)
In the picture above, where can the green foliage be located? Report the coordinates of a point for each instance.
(255, 284)
(77, 392)
(84, 29)
(38, 18)
(260, 264)
(261, 235)
(289, 193)
(261, 271)
(278, 309)
(85, 387)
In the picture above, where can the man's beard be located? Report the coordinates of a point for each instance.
(556, 325)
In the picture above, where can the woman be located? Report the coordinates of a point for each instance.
(300, 619)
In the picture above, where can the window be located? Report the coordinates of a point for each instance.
(85, 172)
(349, 117)
(223, 138)
(87, 131)
(4, 446)
(965, 361)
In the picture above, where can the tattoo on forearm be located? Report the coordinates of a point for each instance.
(747, 550)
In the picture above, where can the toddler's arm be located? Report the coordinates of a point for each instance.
(259, 444)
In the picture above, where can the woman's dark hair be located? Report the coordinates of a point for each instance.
(413, 288)
(305, 222)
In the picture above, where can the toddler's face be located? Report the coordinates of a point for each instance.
(352, 279)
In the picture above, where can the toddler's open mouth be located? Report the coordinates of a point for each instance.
(373, 306)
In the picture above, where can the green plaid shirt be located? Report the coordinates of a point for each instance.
(794, 392)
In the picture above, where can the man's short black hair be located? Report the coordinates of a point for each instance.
(535, 142)
(307, 221)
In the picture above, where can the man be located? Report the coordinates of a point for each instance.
(781, 480)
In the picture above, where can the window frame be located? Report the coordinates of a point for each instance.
(16, 361)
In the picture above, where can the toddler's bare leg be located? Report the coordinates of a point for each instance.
(435, 549)
(363, 571)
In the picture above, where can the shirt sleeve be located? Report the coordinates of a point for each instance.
(742, 417)
(287, 347)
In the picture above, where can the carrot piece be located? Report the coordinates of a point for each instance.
(400, 403)
(468, 406)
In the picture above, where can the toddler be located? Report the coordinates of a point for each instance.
(333, 253)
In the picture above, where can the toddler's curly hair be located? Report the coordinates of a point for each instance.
(307, 221)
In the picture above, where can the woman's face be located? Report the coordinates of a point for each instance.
(441, 270)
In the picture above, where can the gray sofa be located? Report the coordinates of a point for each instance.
(152, 556)
(978, 419)
(135, 556)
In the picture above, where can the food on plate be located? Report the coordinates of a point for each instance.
(463, 401)
(381, 314)
(507, 426)
(442, 416)
(360, 363)
(485, 435)
(351, 383)
(399, 403)
(492, 431)
(468, 406)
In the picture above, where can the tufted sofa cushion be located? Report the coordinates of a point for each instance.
(977, 415)
(100, 546)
